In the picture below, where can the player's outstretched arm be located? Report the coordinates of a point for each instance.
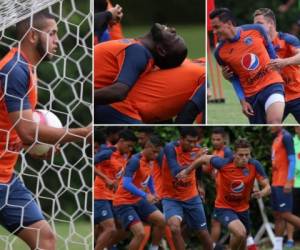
(30, 131)
(266, 189)
(110, 94)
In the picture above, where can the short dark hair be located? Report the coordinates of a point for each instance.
(156, 141)
(224, 14)
(146, 129)
(100, 5)
(37, 22)
(219, 130)
(241, 143)
(113, 130)
(128, 135)
(189, 130)
(99, 136)
(266, 12)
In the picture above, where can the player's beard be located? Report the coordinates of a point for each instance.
(43, 51)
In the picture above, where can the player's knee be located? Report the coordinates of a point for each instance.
(48, 239)
(111, 231)
(140, 235)
(175, 228)
(274, 120)
(241, 234)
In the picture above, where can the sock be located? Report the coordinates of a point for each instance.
(278, 243)
(153, 247)
(250, 243)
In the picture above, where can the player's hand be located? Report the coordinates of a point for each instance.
(111, 184)
(182, 174)
(151, 198)
(247, 108)
(256, 194)
(288, 187)
(277, 63)
(117, 13)
(227, 72)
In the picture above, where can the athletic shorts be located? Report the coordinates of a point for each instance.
(18, 208)
(134, 213)
(281, 202)
(226, 215)
(103, 210)
(191, 211)
(259, 100)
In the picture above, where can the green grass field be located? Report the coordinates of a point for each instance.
(69, 237)
(194, 35)
(230, 112)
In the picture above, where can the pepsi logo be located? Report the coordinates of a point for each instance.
(237, 186)
(250, 61)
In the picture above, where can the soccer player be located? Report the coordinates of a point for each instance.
(118, 64)
(109, 165)
(287, 47)
(296, 189)
(223, 151)
(236, 176)
(160, 95)
(180, 197)
(283, 174)
(134, 200)
(19, 211)
(247, 51)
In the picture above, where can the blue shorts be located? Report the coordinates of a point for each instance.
(105, 114)
(292, 107)
(18, 208)
(258, 101)
(191, 211)
(281, 202)
(130, 214)
(226, 215)
(103, 210)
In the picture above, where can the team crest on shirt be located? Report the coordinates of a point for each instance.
(248, 40)
(237, 186)
(245, 172)
(250, 61)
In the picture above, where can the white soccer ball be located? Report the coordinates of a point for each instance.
(45, 117)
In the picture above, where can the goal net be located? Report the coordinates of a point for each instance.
(62, 184)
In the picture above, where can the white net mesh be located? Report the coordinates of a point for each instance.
(62, 184)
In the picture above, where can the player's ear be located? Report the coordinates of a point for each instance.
(32, 36)
(161, 50)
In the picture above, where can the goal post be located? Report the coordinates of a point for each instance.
(62, 184)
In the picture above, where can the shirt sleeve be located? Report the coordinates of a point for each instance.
(135, 63)
(260, 172)
(227, 152)
(102, 155)
(218, 162)
(15, 84)
(198, 97)
(172, 159)
(289, 146)
(237, 87)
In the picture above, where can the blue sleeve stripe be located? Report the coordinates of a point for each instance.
(129, 186)
(132, 165)
(288, 142)
(218, 162)
(290, 39)
(170, 153)
(238, 87)
(258, 167)
(217, 54)
(292, 167)
(102, 155)
(227, 152)
(199, 98)
(268, 44)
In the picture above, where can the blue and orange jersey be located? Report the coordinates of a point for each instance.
(235, 184)
(110, 162)
(285, 46)
(248, 55)
(18, 91)
(157, 174)
(121, 61)
(161, 94)
(282, 148)
(140, 170)
(175, 159)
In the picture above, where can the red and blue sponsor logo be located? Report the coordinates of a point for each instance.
(250, 61)
(237, 186)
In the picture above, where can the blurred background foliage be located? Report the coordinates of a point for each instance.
(243, 10)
